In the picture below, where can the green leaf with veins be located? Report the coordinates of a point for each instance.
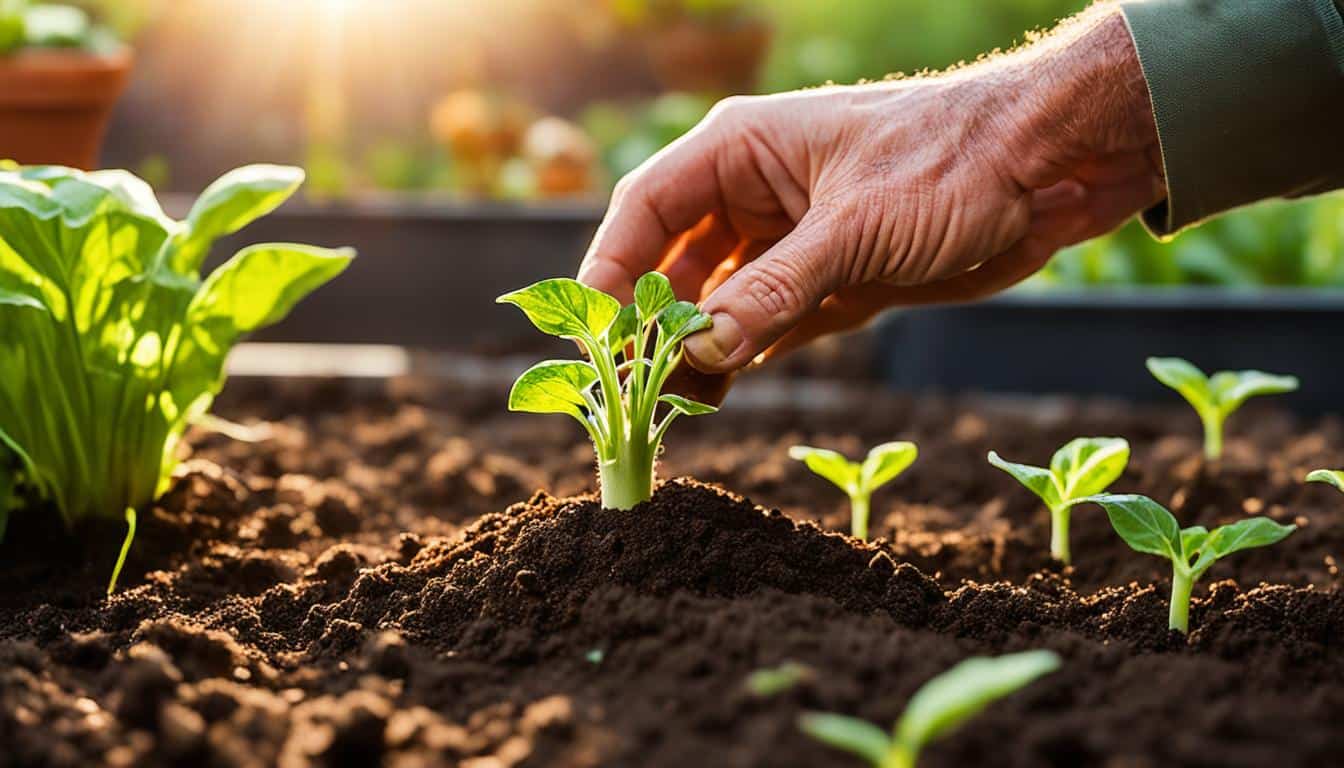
(653, 294)
(884, 462)
(831, 465)
(565, 307)
(1037, 480)
(235, 200)
(687, 406)
(679, 320)
(1243, 534)
(1088, 465)
(553, 386)
(1145, 525)
(1333, 477)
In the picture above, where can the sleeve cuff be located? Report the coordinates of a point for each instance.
(1248, 99)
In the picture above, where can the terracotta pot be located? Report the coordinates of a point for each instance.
(713, 58)
(54, 104)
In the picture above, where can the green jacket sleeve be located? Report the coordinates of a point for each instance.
(1248, 98)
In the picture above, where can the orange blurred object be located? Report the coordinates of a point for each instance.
(54, 104)
(562, 157)
(482, 130)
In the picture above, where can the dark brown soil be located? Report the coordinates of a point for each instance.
(380, 581)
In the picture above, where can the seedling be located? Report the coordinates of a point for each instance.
(111, 341)
(1147, 526)
(858, 479)
(1333, 477)
(943, 704)
(772, 681)
(620, 414)
(1215, 397)
(1083, 467)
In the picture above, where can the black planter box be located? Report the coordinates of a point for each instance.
(1095, 342)
(427, 273)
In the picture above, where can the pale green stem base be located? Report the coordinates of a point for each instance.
(1213, 437)
(899, 757)
(125, 550)
(626, 482)
(858, 517)
(1059, 534)
(1181, 585)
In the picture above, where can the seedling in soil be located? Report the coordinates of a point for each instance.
(1333, 477)
(943, 704)
(112, 342)
(616, 393)
(1147, 526)
(1083, 467)
(771, 681)
(858, 479)
(1215, 397)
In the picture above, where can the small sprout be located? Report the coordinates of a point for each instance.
(1215, 397)
(771, 681)
(944, 703)
(1084, 467)
(858, 480)
(595, 656)
(1147, 526)
(615, 393)
(1333, 477)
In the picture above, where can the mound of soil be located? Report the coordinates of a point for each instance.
(380, 582)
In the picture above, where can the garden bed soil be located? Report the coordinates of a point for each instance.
(381, 580)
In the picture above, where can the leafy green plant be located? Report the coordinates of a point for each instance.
(616, 393)
(112, 343)
(1147, 526)
(1084, 467)
(1215, 397)
(858, 479)
(1333, 477)
(48, 25)
(942, 704)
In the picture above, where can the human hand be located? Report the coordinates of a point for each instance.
(799, 214)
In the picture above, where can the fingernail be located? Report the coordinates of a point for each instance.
(709, 350)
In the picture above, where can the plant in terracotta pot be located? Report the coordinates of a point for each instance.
(710, 46)
(60, 74)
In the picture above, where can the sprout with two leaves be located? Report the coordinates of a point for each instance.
(616, 393)
(942, 704)
(1083, 467)
(1215, 397)
(858, 479)
(1147, 526)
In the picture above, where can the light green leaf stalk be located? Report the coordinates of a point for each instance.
(943, 704)
(111, 342)
(858, 480)
(1215, 397)
(1333, 477)
(1084, 467)
(1147, 526)
(615, 394)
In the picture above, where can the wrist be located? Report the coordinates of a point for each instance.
(1081, 97)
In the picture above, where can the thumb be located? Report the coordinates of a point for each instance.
(766, 298)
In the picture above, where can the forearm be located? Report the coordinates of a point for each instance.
(1248, 98)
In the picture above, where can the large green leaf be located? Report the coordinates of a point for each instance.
(884, 462)
(829, 464)
(963, 691)
(858, 737)
(553, 386)
(564, 307)
(1087, 465)
(233, 201)
(1145, 525)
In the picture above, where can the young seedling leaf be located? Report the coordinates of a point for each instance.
(653, 294)
(858, 737)
(553, 386)
(1085, 466)
(884, 462)
(941, 705)
(1333, 477)
(960, 693)
(617, 393)
(829, 464)
(772, 681)
(233, 201)
(1145, 525)
(1215, 398)
(1148, 527)
(565, 307)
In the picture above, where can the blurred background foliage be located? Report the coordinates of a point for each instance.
(543, 101)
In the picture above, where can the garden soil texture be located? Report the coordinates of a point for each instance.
(381, 581)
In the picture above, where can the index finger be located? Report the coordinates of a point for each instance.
(652, 206)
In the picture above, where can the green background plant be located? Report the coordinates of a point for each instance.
(112, 341)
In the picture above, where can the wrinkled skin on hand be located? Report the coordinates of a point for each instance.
(800, 214)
